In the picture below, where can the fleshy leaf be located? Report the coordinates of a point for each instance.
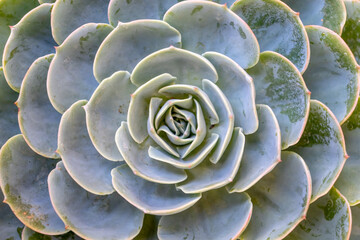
(108, 106)
(139, 105)
(23, 179)
(10, 226)
(38, 120)
(268, 19)
(351, 31)
(126, 11)
(207, 175)
(348, 181)
(11, 11)
(29, 39)
(218, 215)
(328, 13)
(68, 15)
(280, 85)
(280, 199)
(28, 234)
(192, 160)
(206, 26)
(328, 218)
(187, 67)
(355, 230)
(83, 163)
(130, 42)
(322, 146)
(151, 198)
(241, 95)
(332, 67)
(8, 111)
(70, 75)
(137, 158)
(225, 126)
(92, 216)
(261, 153)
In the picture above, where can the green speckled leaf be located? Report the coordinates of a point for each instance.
(11, 11)
(280, 199)
(131, 42)
(151, 198)
(349, 179)
(23, 179)
(261, 153)
(322, 146)
(68, 15)
(8, 111)
(70, 75)
(268, 19)
(29, 39)
(280, 85)
(329, 217)
(85, 213)
(38, 120)
(187, 67)
(332, 75)
(83, 163)
(28, 234)
(218, 215)
(129, 10)
(351, 31)
(10, 226)
(238, 88)
(328, 13)
(206, 26)
(108, 106)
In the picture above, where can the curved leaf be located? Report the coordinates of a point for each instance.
(332, 67)
(92, 216)
(38, 120)
(70, 75)
(28, 234)
(268, 19)
(29, 39)
(351, 31)
(28, 194)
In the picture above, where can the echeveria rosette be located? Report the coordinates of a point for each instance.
(162, 119)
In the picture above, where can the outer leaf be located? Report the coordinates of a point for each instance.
(92, 216)
(280, 85)
(83, 163)
(351, 32)
(8, 111)
(241, 95)
(261, 153)
(206, 26)
(10, 226)
(11, 11)
(209, 176)
(70, 75)
(328, 13)
(29, 39)
(280, 199)
(106, 109)
(131, 42)
(328, 218)
(348, 181)
(268, 19)
(151, 198)
(38, 120)
(126, 11)
(218, 215)
(68, 15)
(322, 146)
(332, 67)
(28, 194)
(187, 67)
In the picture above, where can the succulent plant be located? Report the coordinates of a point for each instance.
(169, 119)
